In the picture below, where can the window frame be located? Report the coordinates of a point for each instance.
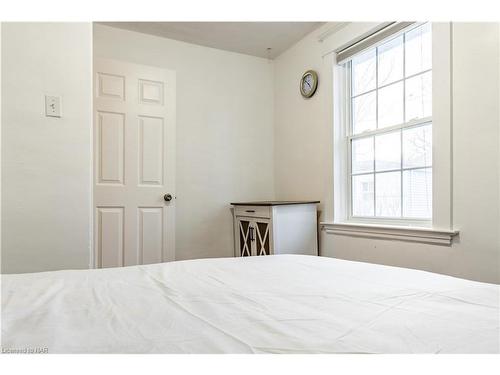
(347, 123)
(341, 78)
(334, 219)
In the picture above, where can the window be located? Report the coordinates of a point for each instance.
(388, 101)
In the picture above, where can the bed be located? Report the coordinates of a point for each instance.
(271, 304)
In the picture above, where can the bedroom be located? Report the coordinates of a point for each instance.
(189, 145)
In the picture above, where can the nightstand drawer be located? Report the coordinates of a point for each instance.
(253, 211)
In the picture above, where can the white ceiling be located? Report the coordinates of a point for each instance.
(251, 38)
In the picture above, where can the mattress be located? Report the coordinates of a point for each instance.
(271, 304)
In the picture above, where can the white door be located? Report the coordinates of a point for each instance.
(134, 164)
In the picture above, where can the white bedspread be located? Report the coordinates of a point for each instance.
(273, 304)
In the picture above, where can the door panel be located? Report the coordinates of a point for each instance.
(151, 92)
(110, 86)
(262, 236)
(134, 148)
(110, 140)
(151, 150)
(245, 235)
(110, 225)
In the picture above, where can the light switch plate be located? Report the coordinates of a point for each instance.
(52, 106)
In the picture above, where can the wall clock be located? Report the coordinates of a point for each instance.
(308, 83)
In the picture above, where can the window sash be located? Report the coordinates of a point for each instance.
(349, 85)
(389, 129)
(374, 172)
(375, 217)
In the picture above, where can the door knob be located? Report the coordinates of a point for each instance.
(168, 197)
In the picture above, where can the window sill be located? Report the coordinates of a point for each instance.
(389, 232)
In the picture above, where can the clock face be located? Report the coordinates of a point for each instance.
(308, 83)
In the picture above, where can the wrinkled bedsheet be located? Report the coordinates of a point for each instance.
(271, 304)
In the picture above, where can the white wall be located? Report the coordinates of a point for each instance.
(304, 168)
(227, 147)
(224, 132)
(301, 148)
(46, 168)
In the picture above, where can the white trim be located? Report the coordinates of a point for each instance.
(340, 116)
(442, 125)
(388, 232)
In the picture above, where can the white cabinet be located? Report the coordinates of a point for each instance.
(275, 227)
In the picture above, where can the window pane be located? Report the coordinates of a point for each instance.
(390, 105)
(388, 194)
(419, 97)
(418, 49)
(362, 155)
(363, 72)
(417, 147)
(390, 61)
(364, 113)
(362, 195)
(417, 193)
(388, 151)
